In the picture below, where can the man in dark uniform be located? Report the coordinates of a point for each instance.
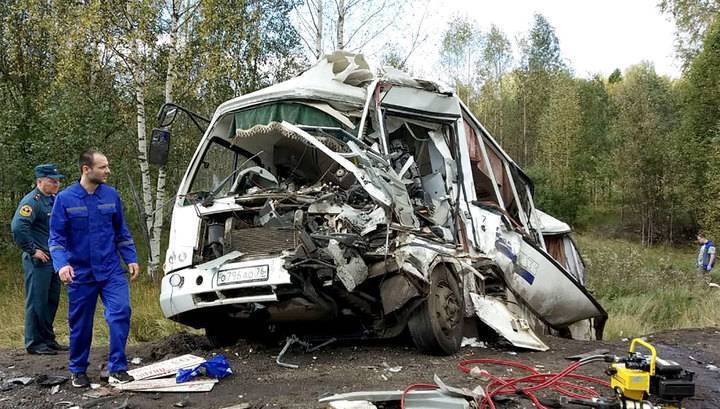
(88, 241)
(42, 285)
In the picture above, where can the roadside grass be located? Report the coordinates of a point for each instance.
(645, 289)
(148, 323)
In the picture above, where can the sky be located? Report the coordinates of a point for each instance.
(595, 36)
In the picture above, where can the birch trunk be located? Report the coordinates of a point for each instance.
(142, 145)
(524, 132)
(159, 214)
(319, 30)
(340, 24)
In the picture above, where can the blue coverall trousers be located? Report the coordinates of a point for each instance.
(42, 296)
(82, 300)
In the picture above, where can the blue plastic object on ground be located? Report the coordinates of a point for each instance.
(214, 367)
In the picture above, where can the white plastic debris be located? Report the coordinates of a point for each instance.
(136, 361)
(351, 404)
(238, 406)
(393, 369)
(55, 389)
(472, 342)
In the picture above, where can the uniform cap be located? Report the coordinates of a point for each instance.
(48, 170)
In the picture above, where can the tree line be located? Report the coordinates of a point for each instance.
(633, 154)
(634, 151)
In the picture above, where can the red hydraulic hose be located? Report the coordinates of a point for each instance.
(535, 382)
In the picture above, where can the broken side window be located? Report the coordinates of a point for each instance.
(501, 195)
(419, 153)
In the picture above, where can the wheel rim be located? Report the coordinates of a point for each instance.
(446, 308)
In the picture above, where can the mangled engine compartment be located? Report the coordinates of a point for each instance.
(359, 235)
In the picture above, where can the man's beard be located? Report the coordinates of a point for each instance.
(95, 180)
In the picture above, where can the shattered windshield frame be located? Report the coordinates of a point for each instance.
(219, 160)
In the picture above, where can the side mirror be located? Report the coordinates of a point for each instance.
(167, 116)
(159, 147)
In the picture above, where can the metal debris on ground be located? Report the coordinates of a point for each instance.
(51, 380)
(474, 394)
(415, 399)
(101, 403)
(692, 358)
(393, 369)
(238, 406)
(101, 392)
(55, 389)
(183, 403)
(293, 339)
(123, 405)
(23, 380)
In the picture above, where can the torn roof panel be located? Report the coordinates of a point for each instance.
(550, 225)
(338, 77)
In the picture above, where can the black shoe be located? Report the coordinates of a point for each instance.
(80, 380)
(120, 377)
(58, 347)
(43, 350)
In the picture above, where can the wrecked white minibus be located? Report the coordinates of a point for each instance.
(344, 203)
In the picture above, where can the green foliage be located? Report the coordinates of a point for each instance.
(543, 52)
(701, 110)
(69, 70)
(562, 201)
(693, 18)
(643, 130)
(647, 289)
(460, 44)
(615, 76)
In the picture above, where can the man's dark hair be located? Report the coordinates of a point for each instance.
(87, 158)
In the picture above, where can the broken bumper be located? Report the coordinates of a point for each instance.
(244, 282)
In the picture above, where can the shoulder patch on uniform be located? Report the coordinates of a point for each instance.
(25, 211)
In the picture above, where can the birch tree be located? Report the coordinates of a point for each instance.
(328, 25)
(130, 31)
(693, 18)
(494, 65)
(460, 46)
(179, 12)
(539, 64)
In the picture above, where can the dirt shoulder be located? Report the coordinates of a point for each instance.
(341, 367)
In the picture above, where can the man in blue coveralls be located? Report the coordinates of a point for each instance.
(706, 257)
(88, 236)
(42, 286)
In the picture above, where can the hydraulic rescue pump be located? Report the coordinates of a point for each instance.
(640, 377)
